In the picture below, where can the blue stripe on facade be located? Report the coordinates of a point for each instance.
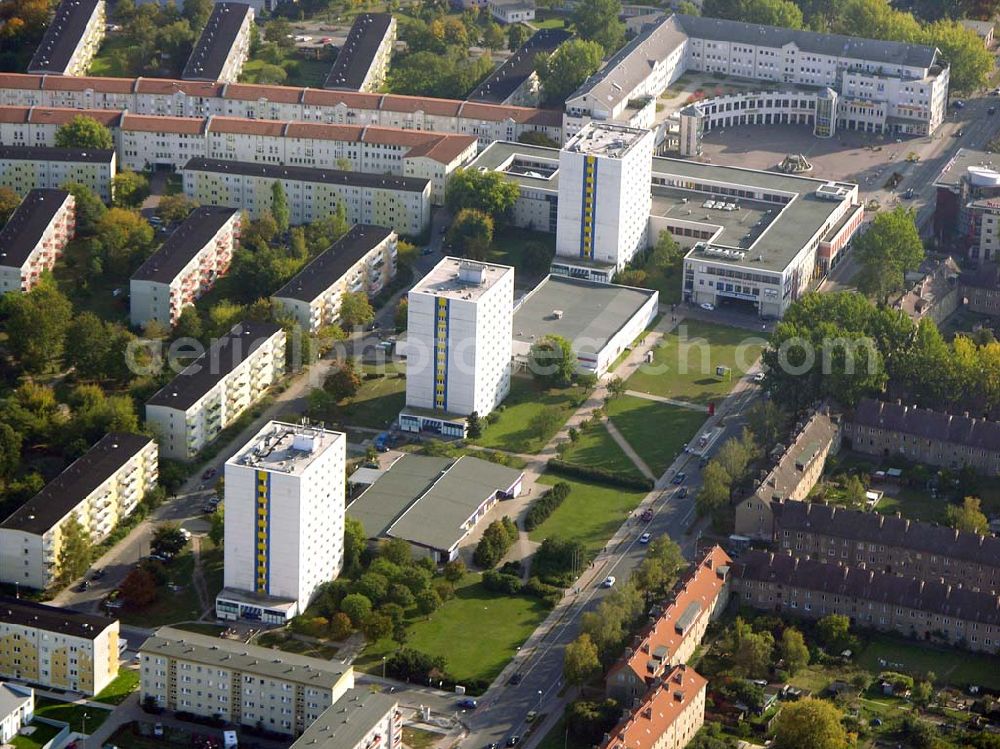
(583, 209)
(447, 330)
(267, 550)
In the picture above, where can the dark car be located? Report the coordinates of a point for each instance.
(515, 679)
(682, 492)
(513, 740)
(97, 574)
(209, 473)
(82, 586)
(679, 478)
(991, 111)
(468, 703)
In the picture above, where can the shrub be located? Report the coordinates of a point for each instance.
(600, 475)
(545, 505)
(501, 583)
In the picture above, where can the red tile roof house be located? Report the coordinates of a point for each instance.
(673, 637)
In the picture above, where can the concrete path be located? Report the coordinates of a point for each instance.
(628, 450)
(669, 401)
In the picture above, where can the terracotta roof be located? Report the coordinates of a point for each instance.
(254, 92)
(165, 87)
(244, 126)
(323, 131)
(14, 114)
(439, 107)
(317, 97)
(104, 85)
(644, 727)
(445, 149)
(148, 123)
(664, 637)
(21, 80)
(62, 115)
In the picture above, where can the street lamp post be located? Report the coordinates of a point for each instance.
(383, 666)
(85, 724)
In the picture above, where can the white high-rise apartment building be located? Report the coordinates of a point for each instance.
(458, 346)
(284, 521)
(604, 200)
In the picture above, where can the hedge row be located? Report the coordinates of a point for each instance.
(601, 475)
(545, 505)
(498, 582)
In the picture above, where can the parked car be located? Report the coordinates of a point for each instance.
(991, 111)
(82, 586)
(515, 679)
(958, 133)
(679, 478)
(707, 305)
(647, 514)
(158, 730)
(468, 703)
(97, 574)
(209, 473)
(759, 377)
(644, 538)
(958, 104)
(609, 582)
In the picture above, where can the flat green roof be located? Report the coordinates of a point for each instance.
(426, 500)
(592, 313)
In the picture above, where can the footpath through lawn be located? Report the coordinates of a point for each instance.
(657, 431)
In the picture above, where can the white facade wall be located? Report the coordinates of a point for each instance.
(86, 46)
(43, 257)
(21, 715)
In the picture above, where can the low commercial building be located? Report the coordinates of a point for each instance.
(403, 203)
(57, 648)
(599, 320)
(211, 392)
(516, 82)
(363, 61)
(71, 39)
(185, 266)
(795, 471)
(886, 429)
(672, 637)
(34, 238)
(284, 521)
(243, 684)
(363, 260)
(433, 503)
(224, 45)
(458, 345)
(921, 609)
(24, 168)
(98, 490)
(512, 11)
(17, 706)
(178, 98)
(668, 717)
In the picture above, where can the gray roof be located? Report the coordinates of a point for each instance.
(592, 312)
(834, 45)
(520, 66)
(347, 721)
(425, 500)
(817, 433)
(219, 652)
(499, 152)
(186, 241)
(216, 42)
(869, 585)
(62, 36)
(927, 424)
(12, 696)
(355, 58)
(25, 228)
(70, 622)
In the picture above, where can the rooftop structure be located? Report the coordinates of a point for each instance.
(925, 423)
(455, 278)
(368, 38)
(603, 139)
(669, 715)
(285, 448)
(71, 487)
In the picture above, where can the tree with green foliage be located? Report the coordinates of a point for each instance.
(36, 324)
(834, 631)
(968, 516)
(125, 238)
(517, 35)
(168, 540)
(10, 452)
(537, 138)
(812, 723)
(562, 72)
(357, 606)
(471, 233)
(474, 425)
(355, 541)
(74, 549)
(751, 651)
(84, 132)
(886, 251)
(397, 551)
(129, 189)
(355, 310)
(279, 206)
(343, 381)
(715, 489)
(217, 531)
(793, 650)
(454, 571)
(175, 208)
(400, 316)
(494, 543)
(487, 191)
(782, 13)
(96, 349)
(428, 601)
(493, 36)
(89, 208)
(580, 661)
(552, 361)
(9, 201)
(598, 21)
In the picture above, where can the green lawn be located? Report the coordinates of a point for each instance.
(106, 63)
(558, 738)
(118, 690)
(75, 715)
(378, 401)
(477, 632)
(511, 432)
(301, 72)
(917, 658)
(915, 505)
(288, 644)
(418, 738)
(183, 604)
(596, 448)
(591, 513)
(657, 431)
(509, 246)
(684, 363)
(42, 735)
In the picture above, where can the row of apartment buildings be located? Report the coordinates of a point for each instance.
(178, 98)
(24, 168)
(34, 238)
(875, 86)
(98, 490)
(314, 700)
(144, 141)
